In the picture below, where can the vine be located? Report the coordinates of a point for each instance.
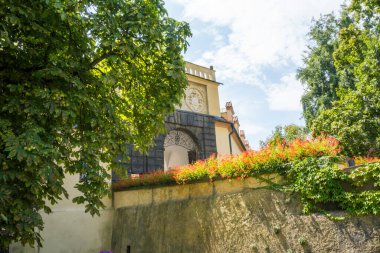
(320, 181)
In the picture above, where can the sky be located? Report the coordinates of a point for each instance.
(256, 47)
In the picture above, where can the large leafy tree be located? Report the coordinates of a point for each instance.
(319, 74)
(78, 79)
(355, 117)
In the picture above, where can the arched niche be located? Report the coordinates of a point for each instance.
(180, 149)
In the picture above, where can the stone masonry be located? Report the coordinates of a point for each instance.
(200, 127)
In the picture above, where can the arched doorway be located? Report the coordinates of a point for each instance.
(180, 149)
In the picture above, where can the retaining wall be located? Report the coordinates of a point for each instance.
(232, 216)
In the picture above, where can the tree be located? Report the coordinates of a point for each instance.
(355, 117)
(354, 120)
(286, 133)
(319, 74)
(79, 79)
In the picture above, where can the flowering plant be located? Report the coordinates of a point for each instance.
(309, 167)
(272, 158)
(157, 177)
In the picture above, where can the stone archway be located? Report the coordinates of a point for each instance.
(180, 149)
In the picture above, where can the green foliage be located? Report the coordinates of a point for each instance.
(286, 133)
(320, 181)
(319, 74)
(367, 174)
(78, 79)
(366, 201)
(355, 118)
(317, 181)
(342, 77)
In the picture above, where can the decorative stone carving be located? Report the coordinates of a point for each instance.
(179, 138)
(195, 100)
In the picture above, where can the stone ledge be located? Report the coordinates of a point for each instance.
(158, 195)
(133, 198)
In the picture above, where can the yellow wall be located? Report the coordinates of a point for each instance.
(213, 99)
(222, 131)
(212, 93)
(203, 90)
(69, 229)
(203, 79)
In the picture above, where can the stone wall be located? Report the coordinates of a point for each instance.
(200, 126)
(235, 216)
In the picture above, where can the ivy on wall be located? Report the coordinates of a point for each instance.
(321, 181)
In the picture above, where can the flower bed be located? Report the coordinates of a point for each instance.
(310, 168)
(270, 159)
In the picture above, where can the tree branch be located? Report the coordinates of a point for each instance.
(101, 58)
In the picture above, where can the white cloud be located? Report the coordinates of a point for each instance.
(286, 95)
(261, 34)
(254, 42)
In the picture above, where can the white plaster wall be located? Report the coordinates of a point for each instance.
(175, 156)
(68, 229)
(222, 141)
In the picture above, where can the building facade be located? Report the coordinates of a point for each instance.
(196, 130)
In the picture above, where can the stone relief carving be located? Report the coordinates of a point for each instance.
(179, 138)
(196, 100)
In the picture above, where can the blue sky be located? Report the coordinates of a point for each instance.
(256, 47)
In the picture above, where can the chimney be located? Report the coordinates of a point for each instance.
(228, 112)
(236, 123)
(242, 134)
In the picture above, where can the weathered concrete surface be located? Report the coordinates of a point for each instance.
(164, 194)
(254, 220)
